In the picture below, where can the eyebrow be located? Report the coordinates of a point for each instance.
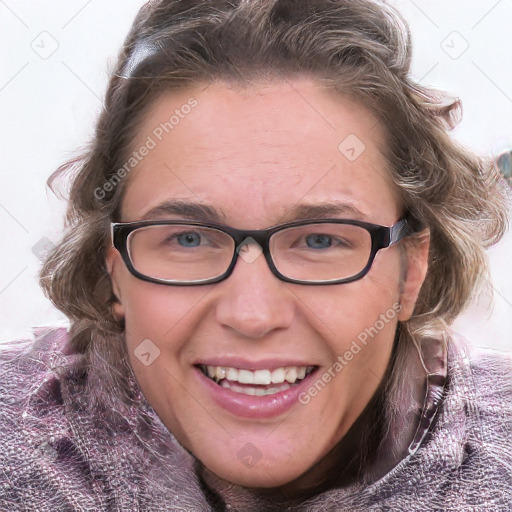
(192, 211)
(207, 213)
(323, 210)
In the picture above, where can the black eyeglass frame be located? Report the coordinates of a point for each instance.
(381, 236)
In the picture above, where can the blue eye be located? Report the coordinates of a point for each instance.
(318, 241)
(190, 239)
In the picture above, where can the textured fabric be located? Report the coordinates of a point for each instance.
(449, 447)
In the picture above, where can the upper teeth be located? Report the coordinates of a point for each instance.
(263, 377)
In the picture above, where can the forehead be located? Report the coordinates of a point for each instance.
(253, 153)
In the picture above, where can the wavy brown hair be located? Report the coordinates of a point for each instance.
(357, 48)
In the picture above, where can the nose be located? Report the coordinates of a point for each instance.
(252, 301)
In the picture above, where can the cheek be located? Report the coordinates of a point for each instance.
(343, 311)
(160, 313)
(357, 322)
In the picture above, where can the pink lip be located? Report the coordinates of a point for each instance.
(249, 406)
(243, 364)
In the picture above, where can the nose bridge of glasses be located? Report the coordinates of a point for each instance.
(250, 244)
(255, 236)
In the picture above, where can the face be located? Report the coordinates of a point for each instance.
(259, 156)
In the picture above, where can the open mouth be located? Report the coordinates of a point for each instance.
(257, 382)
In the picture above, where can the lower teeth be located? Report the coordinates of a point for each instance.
(248, 390)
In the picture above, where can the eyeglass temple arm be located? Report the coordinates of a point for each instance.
(402, 229)
(112, 227)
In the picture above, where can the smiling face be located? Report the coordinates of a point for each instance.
(257, 157)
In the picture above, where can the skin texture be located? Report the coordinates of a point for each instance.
(253, 153)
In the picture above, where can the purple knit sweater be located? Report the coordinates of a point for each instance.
(65, 448)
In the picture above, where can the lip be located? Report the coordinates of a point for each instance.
(243, 364)
(251, 406)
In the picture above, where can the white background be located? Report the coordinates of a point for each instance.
(48, 107)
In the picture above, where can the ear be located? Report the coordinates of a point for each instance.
(113, 263)
(416, 265)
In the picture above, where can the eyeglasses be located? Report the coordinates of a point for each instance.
(310, 252)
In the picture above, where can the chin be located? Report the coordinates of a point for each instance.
(259, 475)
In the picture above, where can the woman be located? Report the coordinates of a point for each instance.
(267, 241)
